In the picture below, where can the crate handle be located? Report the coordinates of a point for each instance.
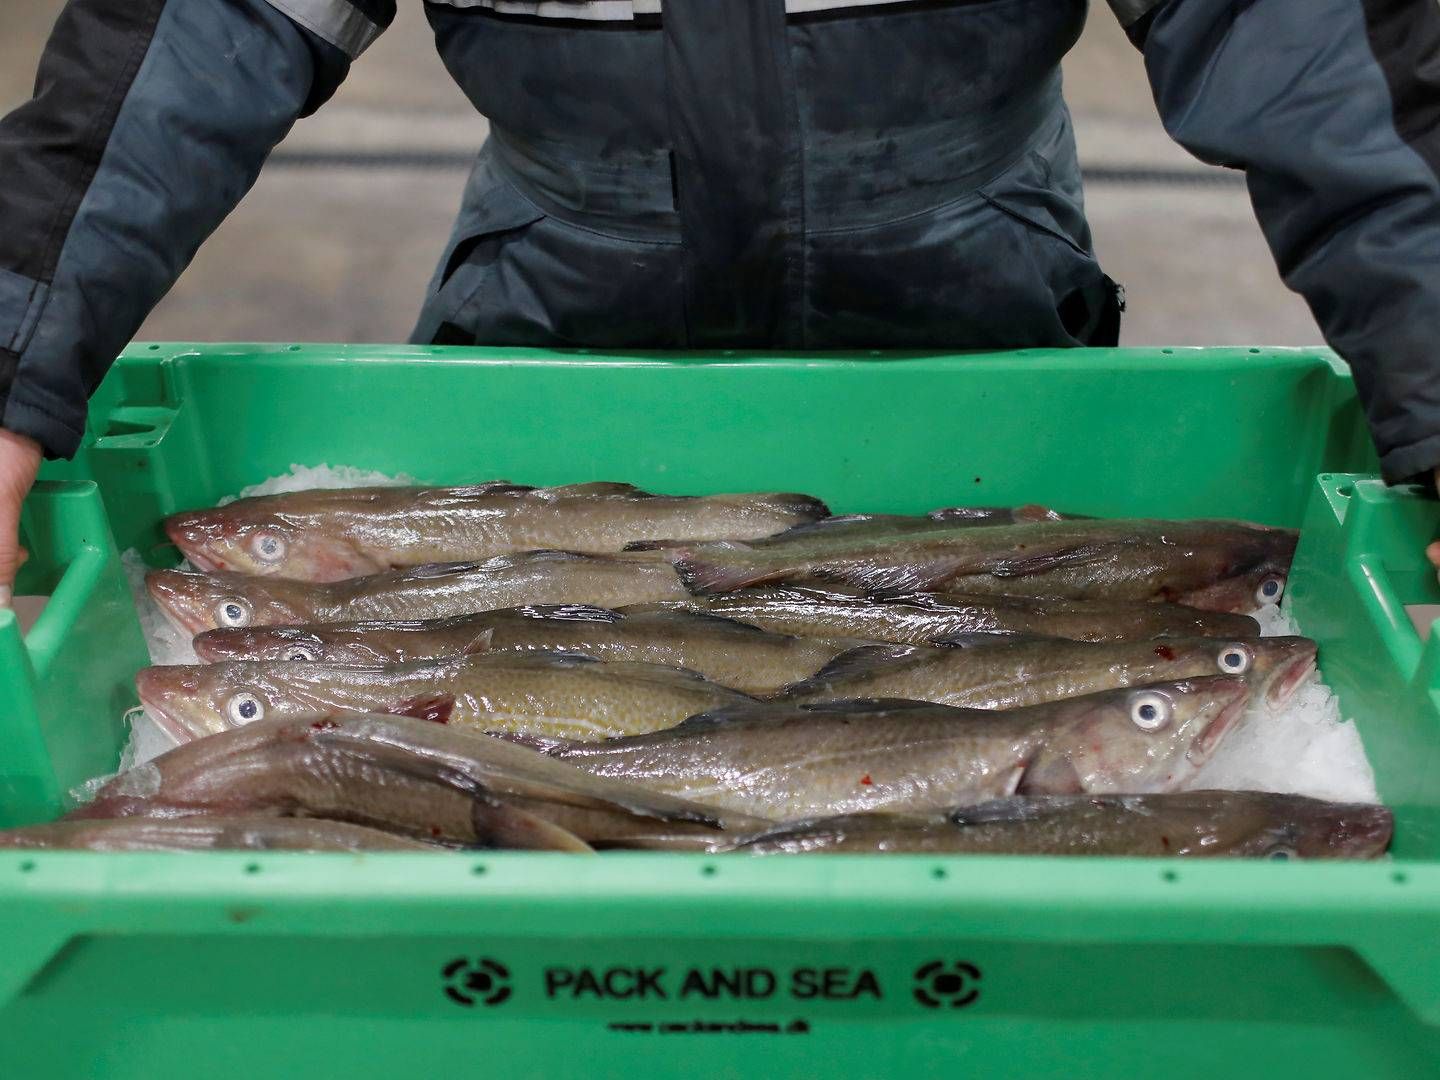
(72, 550)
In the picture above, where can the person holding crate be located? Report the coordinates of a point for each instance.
(797, 174)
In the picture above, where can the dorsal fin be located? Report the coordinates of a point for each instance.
(810, 528)
(704, 618)
(1047, 561)
(866, 658)
(598, 487)
(489, 487)
(729, 714)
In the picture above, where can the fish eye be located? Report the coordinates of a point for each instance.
(268, 547)
(1270, 590)
(1150, 710)
(1235, 659)
(301, 653)
(233, 611)
(245, 708)
(1281, 853)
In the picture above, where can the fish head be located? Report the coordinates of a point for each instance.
(250, 538)
(1146, 738)
(197, 601)
(1275, 666)
(294, 644)
(203, 699)
(1282, 827)
(1247, 571)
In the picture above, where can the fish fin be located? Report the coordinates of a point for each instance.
(1023, 565)
(656, 545)
(700, 575)
(588, 613)
(437, 708)
(542, 743)
(812, 528)
(489, 487)
(480, 643)
(864, 658)
(975, 515)
(500, 825)
(788, 502)
(599, 487)
(1047, 774)
(705, 618)
(557, 659)
(725, 716)
(869, 706)
(426, 571)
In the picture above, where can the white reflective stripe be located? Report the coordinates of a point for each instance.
(336, 21)
(588, 10)
(626, 10)
(800, 7)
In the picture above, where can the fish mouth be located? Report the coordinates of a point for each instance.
(187, 535)
(174, 603)
(1230, 713)
(156, 697)
(1365, 833)
(1289, 679)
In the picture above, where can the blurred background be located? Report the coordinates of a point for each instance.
(338, 239)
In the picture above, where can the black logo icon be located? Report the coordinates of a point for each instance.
(468, 981)
(938, 983)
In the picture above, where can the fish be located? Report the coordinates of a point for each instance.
(330, 535)
(922, 618)
(554, 694)
(734, 654)
(1213, 565)
(1208, 824)
(197, 601)
(852, 526)
(202, 833)
(402, 775)
(1004, 674)
(787, 762)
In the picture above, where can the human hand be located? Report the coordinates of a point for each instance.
(19, 462)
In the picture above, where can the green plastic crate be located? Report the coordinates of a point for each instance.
(683, 966)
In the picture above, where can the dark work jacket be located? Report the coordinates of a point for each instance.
(796, 174)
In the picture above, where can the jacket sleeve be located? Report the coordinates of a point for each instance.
(1332, 108)
(150, 121)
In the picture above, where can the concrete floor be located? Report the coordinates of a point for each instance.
(326, 254)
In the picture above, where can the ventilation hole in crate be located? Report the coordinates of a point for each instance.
(252, 868)
(1167, 352)
(293, 348)
(1345, 490)
(1169, 875)
(27, 866)
(709, 870)
(939, 873)
(154, 348)
(1256, 352)
(479, 869)
(1399, 877)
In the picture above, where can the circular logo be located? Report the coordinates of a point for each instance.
(467, 982)
(939, 984)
